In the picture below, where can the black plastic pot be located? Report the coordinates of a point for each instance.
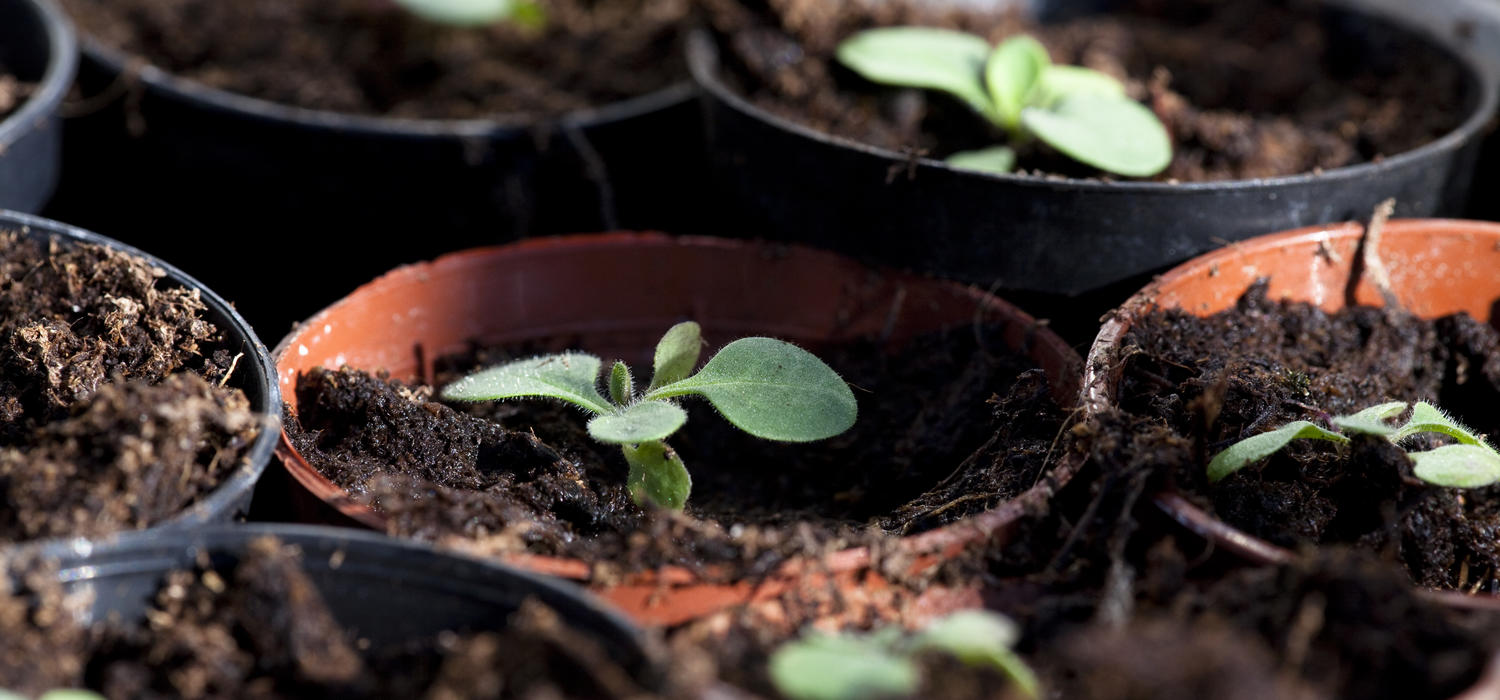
(384, 590)
(1055, 236)
(167, 163)
(37, 46)
(255, 374)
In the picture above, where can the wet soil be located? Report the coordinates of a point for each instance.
(949, 426)
(1192, 386)
(113, 409)
(263, 630)
(1246, 89)
(372, 57)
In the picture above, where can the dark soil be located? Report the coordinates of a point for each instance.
(263, 630)
(1192, 386)
(1246, 89)
(372, 57)
(113, 413)
(949, 426)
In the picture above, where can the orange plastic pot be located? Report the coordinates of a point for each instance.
(617, 292)
(1436, 267)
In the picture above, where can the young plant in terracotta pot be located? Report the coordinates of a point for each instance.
(297, 611)
(131, 396)
(302, 122)
(824, 132)
(1211, 371)
(38, 58)
(956, 436)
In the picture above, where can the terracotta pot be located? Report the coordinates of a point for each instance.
(618, 291)
(1436, 266)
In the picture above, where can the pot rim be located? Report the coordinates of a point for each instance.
(927, 548)
(243, 479)
(1101, 374)
(62, 64)
(704, 61)
(188, 90)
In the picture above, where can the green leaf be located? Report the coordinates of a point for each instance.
(1061, 81)
(9, 695)
(1257, 447)
(1371, 421)
(640, 422)
(922, 57)
(66, 694)
(676, 354)
(569, 376)
(621, 385)
(1114, 134)
(1427, 418)
(475, 13)
(981, 637)
(1463, 466)
(657, 475)
(772, 390)
(998, 159)
(1012, 74)
(823, 667)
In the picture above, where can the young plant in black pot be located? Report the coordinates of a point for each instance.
(1082, 113)
(766, 387)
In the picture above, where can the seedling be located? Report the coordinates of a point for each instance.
(1082, 113)
(765, 387)
(1471, 463)
(478, 13)
(883, 663)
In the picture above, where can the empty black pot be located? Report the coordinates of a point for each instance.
(170, 164)
(36, 46)
(254, 375)
(1056, 236)
(383, 590)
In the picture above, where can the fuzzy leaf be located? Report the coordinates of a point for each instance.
(823, 667)
(66, 694)
(1061, 81)
(981, 637)
(1257, 447)
(998, 159)
(772, 390)
(676, 354)
(657, 475)
(922, 57)
(1463, 466)
(9, 695)
(569, 376)
(1012, 73)
(1427, 418)
(621, 384)
(476, 13)
(1114, 134)
(1371, 421)
(640, 422)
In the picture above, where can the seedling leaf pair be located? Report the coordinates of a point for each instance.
(1082, 113)
(1471, 463)
(883, 663)
(766, 387)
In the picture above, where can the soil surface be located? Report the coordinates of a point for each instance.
(1192, 386)
(1246, 89)
(113, 409)
(263, 630)
(372, 57)
(949, 426)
